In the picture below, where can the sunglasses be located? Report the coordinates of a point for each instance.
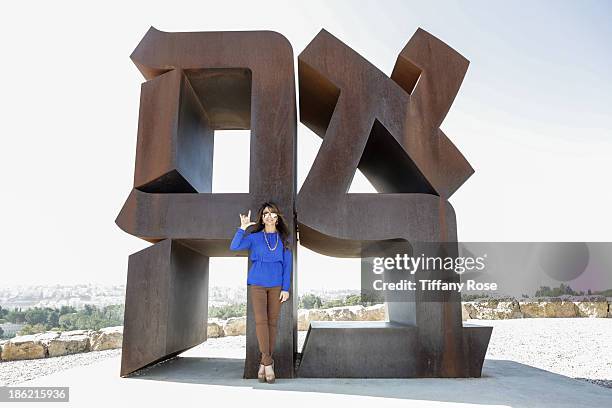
(271, 214)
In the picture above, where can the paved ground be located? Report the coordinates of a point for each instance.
(212, 373)
(579, 348)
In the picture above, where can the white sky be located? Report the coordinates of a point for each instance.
(532, 117)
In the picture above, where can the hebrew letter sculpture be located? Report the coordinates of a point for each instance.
(389, 129)
(198, 82)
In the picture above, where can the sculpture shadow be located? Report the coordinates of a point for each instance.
(503, 382)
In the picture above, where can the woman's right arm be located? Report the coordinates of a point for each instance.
(240, 241)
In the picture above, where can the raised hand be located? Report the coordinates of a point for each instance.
(245, 221)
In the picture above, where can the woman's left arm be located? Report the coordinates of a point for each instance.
(287, 266)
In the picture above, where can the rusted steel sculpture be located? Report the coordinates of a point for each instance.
(387, 127)
(196, 83)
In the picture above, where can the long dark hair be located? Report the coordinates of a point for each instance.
(281, 224)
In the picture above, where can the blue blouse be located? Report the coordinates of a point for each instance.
(268, 268)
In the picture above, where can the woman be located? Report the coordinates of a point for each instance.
(269, 277)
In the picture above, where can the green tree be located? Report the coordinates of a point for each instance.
(67, 309)
(32, 329)
(53, 319)
(89, 310)
(16, 316)
(36, 316)
(352, 300)
(310, 301)
(68, 321)
(227, 311)
(563, 289)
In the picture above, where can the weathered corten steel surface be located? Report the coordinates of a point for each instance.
(373, 349)
(198, 82)
(389, 129)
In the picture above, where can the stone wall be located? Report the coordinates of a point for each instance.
(51, 344)
(562, 306)
(236, 326)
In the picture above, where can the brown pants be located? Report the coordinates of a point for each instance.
(266, 307)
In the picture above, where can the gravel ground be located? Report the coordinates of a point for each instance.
(580, 348)
(18, 371)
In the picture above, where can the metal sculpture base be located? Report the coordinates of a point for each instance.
(374, 349)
